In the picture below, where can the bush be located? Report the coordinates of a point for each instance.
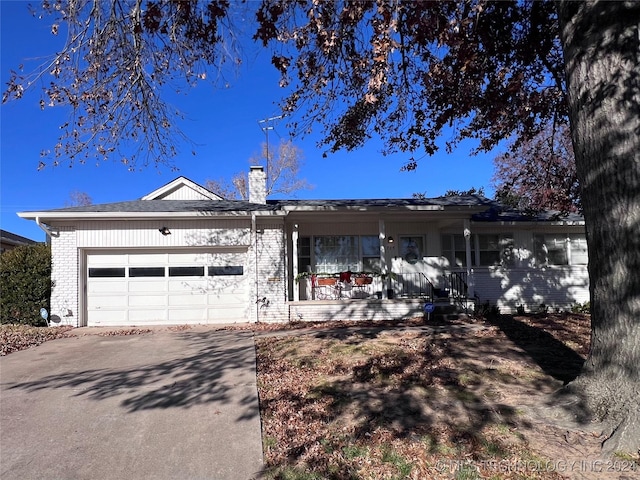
(25, 283)
(486, 310)
(581, 307)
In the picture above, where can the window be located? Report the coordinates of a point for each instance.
(146, 271)
(453, 248)
(494, 250)
(186, 271)
(340, 253)
(336, 253)
(304, 254)
(106, 272)
(486, 250)
(578, 249)
(228, 270)
(560, 249)
(370, 246)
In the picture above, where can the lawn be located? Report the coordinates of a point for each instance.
(464, 402)
(461, 400)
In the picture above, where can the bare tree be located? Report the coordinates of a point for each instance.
(78, 199)
(283, 173)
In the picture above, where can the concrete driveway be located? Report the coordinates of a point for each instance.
(165, 405)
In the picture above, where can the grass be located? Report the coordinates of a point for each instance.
(407, 404)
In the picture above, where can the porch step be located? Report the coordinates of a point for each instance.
(450, 309)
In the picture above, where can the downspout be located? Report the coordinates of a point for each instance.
(44, 229)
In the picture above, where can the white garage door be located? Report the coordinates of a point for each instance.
(130, 288)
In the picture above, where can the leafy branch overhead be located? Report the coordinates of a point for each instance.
(397, 69)
(116, 60)
(405, 70)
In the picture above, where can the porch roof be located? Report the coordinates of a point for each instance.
(437, 203)
(498, 214)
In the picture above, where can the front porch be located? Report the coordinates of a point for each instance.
(399, 297)
(364, 285)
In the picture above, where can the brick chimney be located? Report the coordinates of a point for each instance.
(257, 185)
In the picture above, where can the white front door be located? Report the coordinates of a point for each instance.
(167, 287)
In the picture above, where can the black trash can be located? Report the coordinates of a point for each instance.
(390, 293)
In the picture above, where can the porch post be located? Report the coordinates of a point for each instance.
(294, 263)
(386, 284)
(467, 245)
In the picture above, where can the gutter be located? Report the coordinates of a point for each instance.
(44, 228)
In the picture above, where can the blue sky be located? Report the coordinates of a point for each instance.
(223, 123)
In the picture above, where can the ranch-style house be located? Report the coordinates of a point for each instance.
(184, 255)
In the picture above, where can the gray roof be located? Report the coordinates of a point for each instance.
(486, 210)
(14, 239)
(169, 206)
(449, 201)
(499, 214)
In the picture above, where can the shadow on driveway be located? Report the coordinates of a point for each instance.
(163, 405)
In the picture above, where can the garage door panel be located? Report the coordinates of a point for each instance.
(187, 315)
(107, 301)
(108, 317)
(228, 314)
(102, 286)
(147, 285)
(190, 300)
(108, 259)
(150, 317)
(187, 286)
(149, 301)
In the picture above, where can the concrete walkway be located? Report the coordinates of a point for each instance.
(171, 405)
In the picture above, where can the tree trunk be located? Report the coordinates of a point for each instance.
(602, 51)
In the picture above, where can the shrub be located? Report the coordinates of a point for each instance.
(581, 307)
(25, 283)
(486, 310)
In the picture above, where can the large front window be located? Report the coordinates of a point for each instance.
(486, 250)
(339, 253)
(560, 249)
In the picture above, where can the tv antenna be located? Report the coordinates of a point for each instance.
(266, 125)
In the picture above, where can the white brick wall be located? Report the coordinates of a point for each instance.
(357, 310)
(271, 274)
(64, 273)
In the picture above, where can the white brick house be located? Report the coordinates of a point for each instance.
(182, 254)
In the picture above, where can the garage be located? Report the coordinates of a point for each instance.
(126, 288)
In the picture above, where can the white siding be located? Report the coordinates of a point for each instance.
(184, 233)
(185, 192)
(338, 228)
(556, 287)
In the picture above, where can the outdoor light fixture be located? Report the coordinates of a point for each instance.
(389, 239)
(165, 231)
